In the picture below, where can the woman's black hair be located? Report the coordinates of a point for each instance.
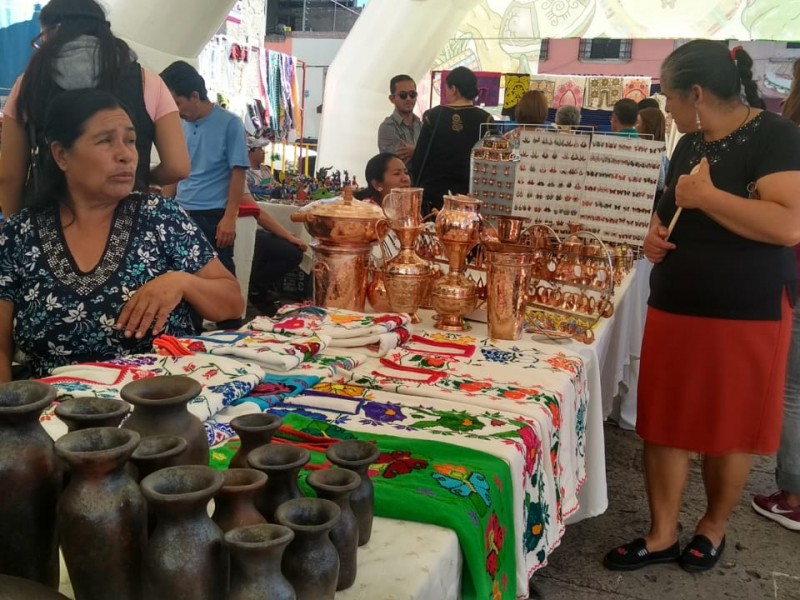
(64, 21)
(713, 67)
(465, 81)
(374, 171)
(64, 122)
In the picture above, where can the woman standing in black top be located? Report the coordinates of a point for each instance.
(719, 319)
(441, 161)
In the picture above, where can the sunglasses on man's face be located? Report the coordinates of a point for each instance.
(404, 95)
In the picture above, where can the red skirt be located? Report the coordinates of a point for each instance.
(713, 386)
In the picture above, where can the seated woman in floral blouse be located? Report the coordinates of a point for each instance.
(91, 271)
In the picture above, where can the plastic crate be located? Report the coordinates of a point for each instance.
(297, 285)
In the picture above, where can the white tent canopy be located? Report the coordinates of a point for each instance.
(407, 36)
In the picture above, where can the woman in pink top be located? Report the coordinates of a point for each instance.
(76, 49)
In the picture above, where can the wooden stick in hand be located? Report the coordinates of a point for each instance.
(679, 210)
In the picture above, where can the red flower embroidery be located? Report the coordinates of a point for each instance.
(293, 323)
(472, 387)
(210, 374)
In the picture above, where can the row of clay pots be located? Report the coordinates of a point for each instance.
(20, 405)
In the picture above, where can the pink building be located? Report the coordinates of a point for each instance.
(605, 57)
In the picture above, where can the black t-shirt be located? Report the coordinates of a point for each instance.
(713, 272)
(451, 132)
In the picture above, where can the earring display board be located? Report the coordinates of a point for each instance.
(606, 183)
(619, 186)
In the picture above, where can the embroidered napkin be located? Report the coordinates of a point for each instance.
(267, 349)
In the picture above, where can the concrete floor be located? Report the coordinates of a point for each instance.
(761, 560)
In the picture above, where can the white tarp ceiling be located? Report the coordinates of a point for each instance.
(408, 36)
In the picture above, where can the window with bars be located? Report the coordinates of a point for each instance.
(793, 45)
(605, 49)
(544, 50)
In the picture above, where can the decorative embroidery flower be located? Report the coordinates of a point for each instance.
(473, 387)
(471, 485)
(491, 564)
(383, 412)
(432, 361)
(390, 465)
(495, 534)
(496, 593)
(293, 323)
(339, 389)
(534, 525)
(454, 421)
(513, 395)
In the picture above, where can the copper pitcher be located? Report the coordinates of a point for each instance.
(340, 275)
(508, 272)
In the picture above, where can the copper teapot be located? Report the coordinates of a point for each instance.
(343, 221)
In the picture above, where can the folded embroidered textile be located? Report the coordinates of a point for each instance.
(520, 441)
(336, 323)
(326, 363)
(534, 384)
(429, 481)
(223, 380)
(267, 349)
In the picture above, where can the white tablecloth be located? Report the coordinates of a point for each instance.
(402, 561)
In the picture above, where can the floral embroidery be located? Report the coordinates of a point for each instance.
(495, 537)
(383, 412)
(454, 421)
(340, 389)
(472, 486)
(390, 465)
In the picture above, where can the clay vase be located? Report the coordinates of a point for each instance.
(336, 485)
(102, 515)
(281, 463)
(234, 504)
(156, 452)
(16, 588)
(357, 455)
(160, 408)
(253, 430)
(186, 558)
(311, 562)
(256, 554)
(30, 480)
(81, 413)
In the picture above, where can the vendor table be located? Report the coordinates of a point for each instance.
(558, 391)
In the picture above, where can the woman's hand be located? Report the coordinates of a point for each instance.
(656, 245)
(694, 189)
(297, 242)
(151, 305)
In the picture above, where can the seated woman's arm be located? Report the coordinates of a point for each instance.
(212, 291)
(268, 222)
(6, 340)
(13, 166)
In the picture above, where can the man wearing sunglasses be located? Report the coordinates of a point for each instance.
(399, 131)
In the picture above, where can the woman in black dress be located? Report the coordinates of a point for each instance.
(449, 131)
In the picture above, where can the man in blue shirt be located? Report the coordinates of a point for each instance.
(218, 153)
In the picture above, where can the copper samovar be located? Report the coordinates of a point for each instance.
(346, 231)
(406, 276)
(458, 229)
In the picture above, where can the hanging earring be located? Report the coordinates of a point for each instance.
(697, 120)
(380, 189)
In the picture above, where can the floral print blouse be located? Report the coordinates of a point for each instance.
(65, 316)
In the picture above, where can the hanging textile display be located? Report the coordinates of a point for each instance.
(635, 88)
(545, 84)
(602, 92)
(569, 91)
(283, 95)
(516, 85)
(488, 88)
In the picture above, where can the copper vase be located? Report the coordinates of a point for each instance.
(458, 229)
(340, 275)
(508, 274)
(407, 275)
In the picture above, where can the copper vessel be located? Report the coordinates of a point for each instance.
(340, 275)
(458, 230)
(509, 229)
(508, 272)
(342, 221)
(407, 275)
(376, 291)
(346, 230)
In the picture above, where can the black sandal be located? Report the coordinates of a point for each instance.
(700, 554)
(634, 555)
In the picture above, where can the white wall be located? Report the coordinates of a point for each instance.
(318, 53)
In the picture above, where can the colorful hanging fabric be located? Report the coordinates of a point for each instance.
(546, 85)
(488, 88)
(602, 92)
(569, 91)
(636, 88)
(516, 85)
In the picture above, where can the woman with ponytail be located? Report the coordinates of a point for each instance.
(716, 338)
(76, 49)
